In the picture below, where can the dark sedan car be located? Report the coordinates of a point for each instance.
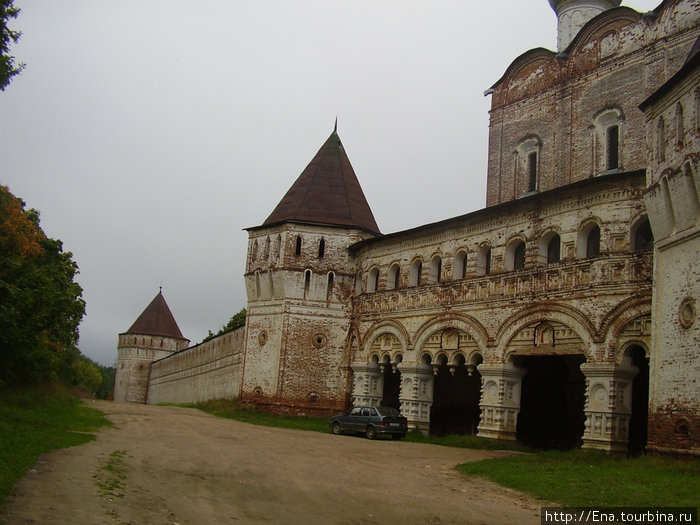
(371, 421)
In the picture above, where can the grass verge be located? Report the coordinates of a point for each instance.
(35, 421)
(594, 478)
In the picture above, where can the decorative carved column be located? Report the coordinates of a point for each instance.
(368, 384)
(416, 395)
(608, 405)
(500, 400)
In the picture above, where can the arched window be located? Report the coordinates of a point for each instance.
(297, 251)
(267, 248)
(554, 250)
(527, 162)
(358, 283)
(483, 260)
(373, 280)
(392, 282)
(459, 266)
(515, 255)
(414, 275)
(435, 269)
(607, 127)
(642, 237)
(254, 252)
(278, 246)
(321, 248)
(593, 242)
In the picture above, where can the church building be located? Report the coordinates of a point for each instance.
(562, 314)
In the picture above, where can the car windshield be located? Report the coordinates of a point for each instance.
(389, 411)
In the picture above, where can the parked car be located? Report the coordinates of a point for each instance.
(371, 421)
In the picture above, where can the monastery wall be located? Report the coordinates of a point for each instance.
(210, 370)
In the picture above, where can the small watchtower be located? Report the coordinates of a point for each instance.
(153, 335)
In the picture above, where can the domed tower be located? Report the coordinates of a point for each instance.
(572, 15)
(153, 335)
(299, 281)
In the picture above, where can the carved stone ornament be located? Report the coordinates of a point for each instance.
(262, 338)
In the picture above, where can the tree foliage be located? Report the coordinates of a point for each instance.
(236, 321)
(8, 69)
(41, 305)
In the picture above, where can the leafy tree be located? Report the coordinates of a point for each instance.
(236, 321)
(41, 305)
(8, 69)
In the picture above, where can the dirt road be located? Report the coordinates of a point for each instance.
(169, 465)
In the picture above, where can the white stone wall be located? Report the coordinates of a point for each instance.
(210, 370)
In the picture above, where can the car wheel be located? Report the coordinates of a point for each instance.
(371, 433)
(336, 428)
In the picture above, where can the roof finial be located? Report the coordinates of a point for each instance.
(160, 288)
(335, 128)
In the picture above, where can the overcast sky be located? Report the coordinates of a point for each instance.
(150, 133)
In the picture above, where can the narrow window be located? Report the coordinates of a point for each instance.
(278, 244)
(532, 171)
(593, 242)
(613, 147)
(519, 256)
(487, 265)
(459, 267)
(307, 283)
(554, 250)
(679, 124)
(267, 248)
(254, 255)
(321, 248)
(298, 248)
(660, 140)
(329, 293)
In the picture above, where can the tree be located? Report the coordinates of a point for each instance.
(236, 321)
(41, 305)
(8, 69)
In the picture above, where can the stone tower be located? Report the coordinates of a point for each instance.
(299, 281)
(153, 335)
(572, 15)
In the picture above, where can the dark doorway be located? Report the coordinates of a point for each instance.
(552, 401)
(456, 398)
(392, 387)
(637, 435)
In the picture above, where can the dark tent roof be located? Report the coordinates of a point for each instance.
(156, 319)
(327, 192)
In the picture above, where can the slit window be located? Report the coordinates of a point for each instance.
(613, 147)
(532, 171)
(298, 246)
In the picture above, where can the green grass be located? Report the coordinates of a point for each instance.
(35, 421)
(231, 409)
(594, 478)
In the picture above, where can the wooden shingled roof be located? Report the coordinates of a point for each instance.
(156, 319)
(327, 192)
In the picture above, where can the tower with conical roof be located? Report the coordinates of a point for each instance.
(153, 335)
(299, 281)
